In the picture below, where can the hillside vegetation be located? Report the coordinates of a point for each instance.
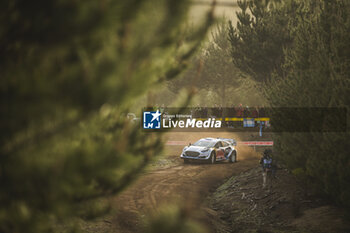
(299, 51)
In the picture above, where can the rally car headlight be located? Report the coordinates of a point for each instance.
(206, 150)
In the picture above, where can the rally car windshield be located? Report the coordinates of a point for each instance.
(204, 143)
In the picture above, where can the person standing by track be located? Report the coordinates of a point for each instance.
(267, 168)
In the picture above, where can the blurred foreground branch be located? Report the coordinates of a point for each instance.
(69, 71)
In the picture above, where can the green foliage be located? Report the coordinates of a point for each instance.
(312, 71)
(215, 75)
(317, 75)
(69, 70)
(219, 72)
(260, 36)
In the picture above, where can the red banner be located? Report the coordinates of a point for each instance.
(248, 143)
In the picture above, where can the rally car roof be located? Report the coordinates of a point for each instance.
(211, 139)
(231, 141)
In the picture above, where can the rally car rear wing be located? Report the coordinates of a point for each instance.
(230, 140)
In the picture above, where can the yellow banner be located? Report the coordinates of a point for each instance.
(241, 119)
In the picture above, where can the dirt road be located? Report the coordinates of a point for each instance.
(175, 183)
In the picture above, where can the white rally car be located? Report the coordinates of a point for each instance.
(211, 150)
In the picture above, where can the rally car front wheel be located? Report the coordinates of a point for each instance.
(233, 157)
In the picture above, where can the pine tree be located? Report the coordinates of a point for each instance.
(316, 75)
(217, 72)
(312, 70)
(261, 34)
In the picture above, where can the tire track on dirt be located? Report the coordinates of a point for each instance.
(180, 183)
(176, 184)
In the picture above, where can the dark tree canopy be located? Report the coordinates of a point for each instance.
(260, 36)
